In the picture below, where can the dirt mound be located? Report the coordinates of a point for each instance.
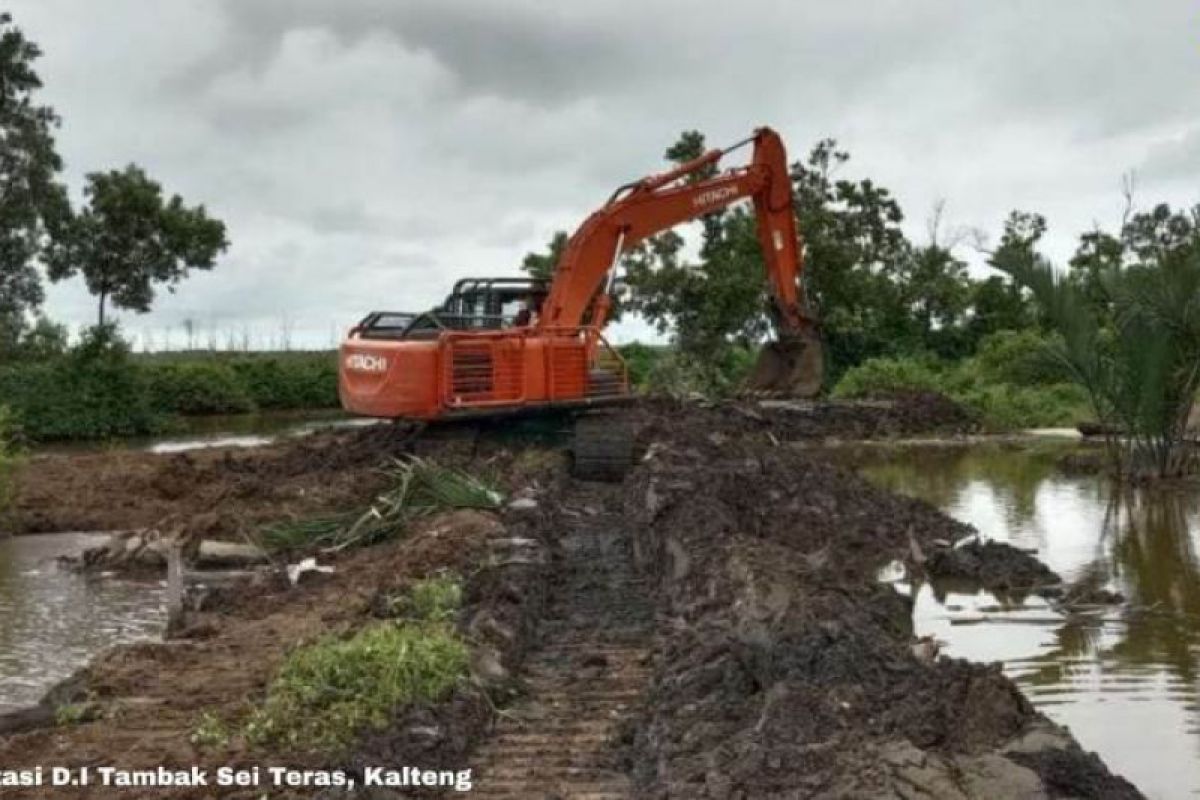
(788, 668)
(246, 487)
(908, 414)
(995, 566)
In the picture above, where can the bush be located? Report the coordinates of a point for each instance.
(1020, 357)
(95, 391)
(276, 382)
(883, 376)
(1003, 405)
(329, 692)
(197, 387)
(641, 360)
(98, 389)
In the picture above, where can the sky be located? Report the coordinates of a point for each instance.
(365, 154)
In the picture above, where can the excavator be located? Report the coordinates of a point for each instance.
(505, 346)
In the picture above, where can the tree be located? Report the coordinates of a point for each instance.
(714, 304)
(31, 199)
(541, 265)
(127, 240)
(856, 260)
(1138, 355)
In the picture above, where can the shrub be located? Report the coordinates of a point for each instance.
(1002, 405)
(274, 382)
(641, 361)
(882, 376)
(1020, 357)
(8, 456)
(197, 387)
(95, 391)
(329, 692)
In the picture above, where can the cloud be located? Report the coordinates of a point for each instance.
(370, 152)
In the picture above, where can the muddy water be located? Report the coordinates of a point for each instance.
(1127, 681)
(232, 430)
(52, 622)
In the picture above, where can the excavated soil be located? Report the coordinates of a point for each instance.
(710, 628)
(121, 490)
(227, 492)
(788, 670)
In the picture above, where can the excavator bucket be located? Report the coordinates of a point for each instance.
(791, 367)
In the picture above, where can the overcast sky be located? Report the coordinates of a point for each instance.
(366, 153)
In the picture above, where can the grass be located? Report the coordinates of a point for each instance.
(72, 714)
(435, 599)
(211, 731)
(419, 488)
(331, 691)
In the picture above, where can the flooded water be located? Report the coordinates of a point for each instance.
(52, 621)
(233, 430)
(1126, 681)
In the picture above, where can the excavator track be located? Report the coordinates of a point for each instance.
(585, 677)
(602, 447)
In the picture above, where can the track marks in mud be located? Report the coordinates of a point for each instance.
(584, 679)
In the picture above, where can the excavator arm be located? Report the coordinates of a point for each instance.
(642, 209)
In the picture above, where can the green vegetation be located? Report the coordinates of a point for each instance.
(211, 731)
(333, 690)
(92, 391)
(419, 488)
(1002, 404)
(1128, 319)
(98, 389)
(128, 239)
(72, 714)
(8, 457)
(435, 599)
(32, 199)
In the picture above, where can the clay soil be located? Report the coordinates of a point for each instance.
(769, 661)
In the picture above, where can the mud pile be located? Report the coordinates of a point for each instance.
(906, 414)
(787, 670)
(226, 493)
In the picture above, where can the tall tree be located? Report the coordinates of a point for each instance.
(541, 265)
(127, 239)
(31, 198)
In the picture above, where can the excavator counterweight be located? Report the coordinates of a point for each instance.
(511, 345)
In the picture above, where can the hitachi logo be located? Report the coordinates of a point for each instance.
(714, 196)
(366, 363)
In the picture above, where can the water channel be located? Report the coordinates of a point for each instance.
(1124, 681)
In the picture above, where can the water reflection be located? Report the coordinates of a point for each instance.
(53, 622)
(1124, 680)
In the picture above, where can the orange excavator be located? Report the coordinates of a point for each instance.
(502, 346)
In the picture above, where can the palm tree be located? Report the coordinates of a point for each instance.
(1137, 354)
